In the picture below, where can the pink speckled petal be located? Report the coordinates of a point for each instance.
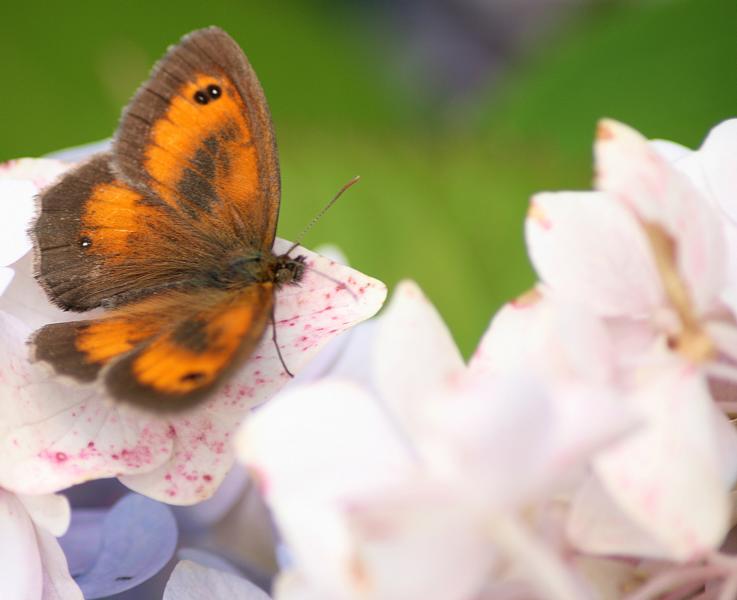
(590, 250)
(58, 433)
(55, 434)
(639, 177)
(198, 517)
(671, 465)
(308, 317)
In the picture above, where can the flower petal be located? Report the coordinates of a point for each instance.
(591, 250)
(659, 474)
(21, 571)
(634, 173)
(190, 581)
(82, 152)
(57, 582)
(718, 160)
(308, 316)
(18, 211)
(290, 445)
(49, 511)
(597, 525)
(64, 433)
(417, 543)
(204, 514)
(41, 172)
(55, 434)
(139, 537)
(20, 181)
(412, 334)
(83, 540)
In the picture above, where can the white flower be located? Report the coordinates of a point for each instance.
(420, 485)
(54, 433)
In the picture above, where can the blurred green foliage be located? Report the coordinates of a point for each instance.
(444, 192)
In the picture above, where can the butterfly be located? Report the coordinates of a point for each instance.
(171, 232)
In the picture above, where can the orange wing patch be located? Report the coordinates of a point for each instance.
(185, 360)
(148, 355)
(208, 142)
(112, 214)
(196, 352)
(198, 134)
(100, 341)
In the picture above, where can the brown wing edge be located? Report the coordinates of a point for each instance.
(54, 345)
(122, 386)
(203, 49)
(55, 235)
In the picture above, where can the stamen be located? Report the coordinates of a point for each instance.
(692, 341)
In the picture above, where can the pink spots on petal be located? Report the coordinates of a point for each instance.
(60, 457)
(207, 478)
(171, 432)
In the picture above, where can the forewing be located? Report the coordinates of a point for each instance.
(99, 241)
(198, 134)
(165, 351)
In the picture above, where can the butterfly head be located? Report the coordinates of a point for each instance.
(286, 269)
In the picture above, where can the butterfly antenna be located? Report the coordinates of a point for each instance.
(319, 215)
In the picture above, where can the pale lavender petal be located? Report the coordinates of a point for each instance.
(138, 539)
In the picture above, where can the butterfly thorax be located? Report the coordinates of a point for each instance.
(260, 268)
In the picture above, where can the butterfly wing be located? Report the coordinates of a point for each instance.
(165, 351)
(99, 241)
(199, 135)
(187, 186)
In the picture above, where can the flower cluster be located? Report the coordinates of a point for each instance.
(584, 452)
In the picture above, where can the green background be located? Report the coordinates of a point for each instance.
(444, 188)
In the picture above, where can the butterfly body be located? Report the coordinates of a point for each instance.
(172, 232)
